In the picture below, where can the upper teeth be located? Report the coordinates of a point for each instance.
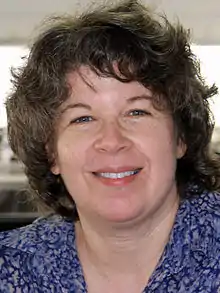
(118, 175)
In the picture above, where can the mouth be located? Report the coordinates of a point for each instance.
(118, 179)
(117, 175)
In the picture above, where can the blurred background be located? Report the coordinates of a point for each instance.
(19, 23)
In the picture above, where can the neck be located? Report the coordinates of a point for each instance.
(126, 249)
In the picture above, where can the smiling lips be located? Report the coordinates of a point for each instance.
(117, 178)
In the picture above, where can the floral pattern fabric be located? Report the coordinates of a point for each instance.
(42, 257)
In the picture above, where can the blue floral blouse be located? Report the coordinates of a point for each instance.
(42, 257)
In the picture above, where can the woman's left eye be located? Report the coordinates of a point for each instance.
(138, 112)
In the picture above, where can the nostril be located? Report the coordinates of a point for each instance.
(111, 145)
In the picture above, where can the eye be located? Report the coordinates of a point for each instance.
(82, 119)
(138, 112)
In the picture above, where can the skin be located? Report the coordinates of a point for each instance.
(120, 131)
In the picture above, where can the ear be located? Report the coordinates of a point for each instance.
(55, 169)
(181, 149)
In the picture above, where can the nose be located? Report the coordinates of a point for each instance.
(112, 139)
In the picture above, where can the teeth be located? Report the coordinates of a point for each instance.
(118, 175)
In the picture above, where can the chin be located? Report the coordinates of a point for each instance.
(120, 215)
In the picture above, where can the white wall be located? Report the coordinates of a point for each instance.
(19, 19)
(210, 66)
(9, 56)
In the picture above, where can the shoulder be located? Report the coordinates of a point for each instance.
(207, 207)
(193, 252)
(43, 232)
(203, 217)
(40, 255)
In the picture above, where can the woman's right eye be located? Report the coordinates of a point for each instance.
(81, 120)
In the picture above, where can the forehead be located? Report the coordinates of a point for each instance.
(85, 83)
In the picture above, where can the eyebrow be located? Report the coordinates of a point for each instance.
(139, 98)
(88, 107)
(76, 105)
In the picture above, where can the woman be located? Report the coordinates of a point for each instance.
(110, 117)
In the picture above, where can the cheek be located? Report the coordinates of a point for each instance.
(158, 144)
(71, 155)
(165, 160)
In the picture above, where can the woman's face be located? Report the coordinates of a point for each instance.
(115, 152)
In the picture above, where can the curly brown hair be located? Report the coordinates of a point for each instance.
(147, 49)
